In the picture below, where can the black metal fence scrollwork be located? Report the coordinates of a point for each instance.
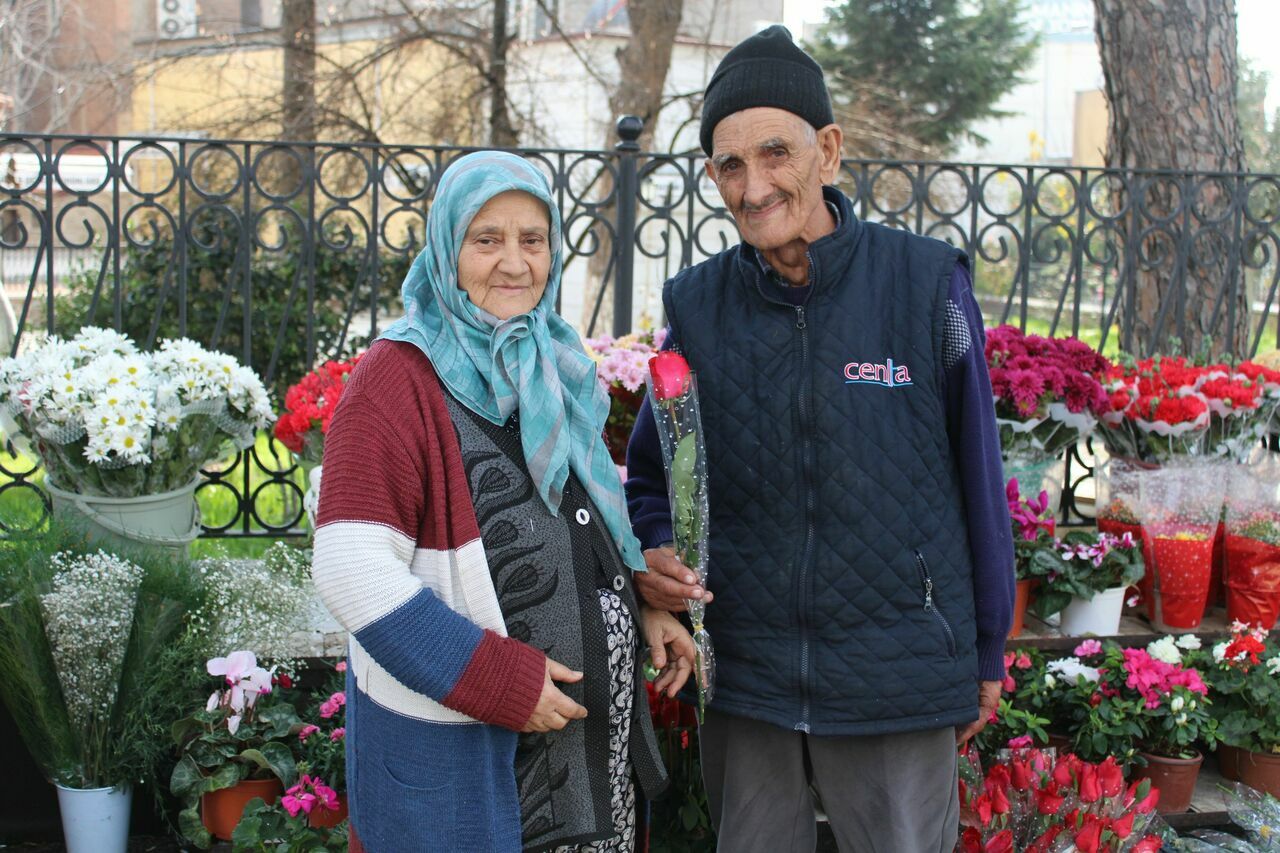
(286, 254)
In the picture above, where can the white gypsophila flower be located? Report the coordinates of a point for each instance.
(1071, 669)
(88, 617)
(258, 604)
(1189, 642)
(1165, 649)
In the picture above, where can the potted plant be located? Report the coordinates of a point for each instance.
(90, 644)
(1026, 708)
(123, 434)
(1244, 674)
(309, 405)
(1036, 556)
(322, 747)
(233, 750)
(1090, 592)
(1047, 394)
(1180, 507)
(1252, 546)
(289, 825)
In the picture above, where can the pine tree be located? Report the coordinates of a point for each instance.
(911, 77)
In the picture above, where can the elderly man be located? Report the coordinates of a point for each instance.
(861, 554)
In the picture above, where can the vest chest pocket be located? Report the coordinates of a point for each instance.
(931, 606)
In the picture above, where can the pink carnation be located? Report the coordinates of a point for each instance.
(307, 731)
(338, 734)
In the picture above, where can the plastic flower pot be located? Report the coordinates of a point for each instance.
(95, 820)
(221, 810)
(1229, 761)
(1099, 615)
(1179, 508)
(169, 520)
(322, 817)
(1175, 778)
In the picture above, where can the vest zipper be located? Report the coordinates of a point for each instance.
(932, 609)
(807, 554)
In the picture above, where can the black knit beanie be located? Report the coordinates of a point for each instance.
(766, 70)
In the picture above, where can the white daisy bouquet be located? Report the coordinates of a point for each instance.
(107, 419)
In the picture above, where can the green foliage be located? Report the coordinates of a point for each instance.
(215, 295)
(1246, 699)
(926, 70)
(160, 664)
(1010, 723)
(270, 828)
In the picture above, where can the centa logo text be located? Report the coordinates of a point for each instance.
(886, 374)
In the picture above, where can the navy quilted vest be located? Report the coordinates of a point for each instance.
(839, 553)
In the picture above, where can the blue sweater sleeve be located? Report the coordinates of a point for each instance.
(646, 485)
(975, 444)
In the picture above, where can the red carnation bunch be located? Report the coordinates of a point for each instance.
(309, 406)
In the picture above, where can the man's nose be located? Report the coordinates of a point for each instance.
(759, 186)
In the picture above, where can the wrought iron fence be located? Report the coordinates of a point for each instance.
(285, 254)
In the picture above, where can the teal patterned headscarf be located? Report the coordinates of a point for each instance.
(532, 363)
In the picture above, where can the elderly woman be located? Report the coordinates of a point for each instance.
(473, 538)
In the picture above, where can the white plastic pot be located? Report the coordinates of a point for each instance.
(95, 820)
(1099, 615)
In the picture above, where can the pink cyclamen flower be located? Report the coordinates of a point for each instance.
(1088, 647)
(341, 666)
(338, 734)
(307, 731)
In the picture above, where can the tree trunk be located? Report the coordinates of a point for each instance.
(642, 66)
(298, 124)
(501, 133)
(1170, 73)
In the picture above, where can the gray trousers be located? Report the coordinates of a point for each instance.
(881, 793)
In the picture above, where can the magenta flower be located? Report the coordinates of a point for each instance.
(1088, 647)
(307, 731)
(1021, 742)
(338, 734)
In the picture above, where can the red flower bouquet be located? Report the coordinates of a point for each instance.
(309, 406)
(1036, 802)
(1252, 573)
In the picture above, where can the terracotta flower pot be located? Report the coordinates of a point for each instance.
(1229, 762)
(1260, 771)
(221, 810)
(1175, 778)
(1021, 594)
(322, 817)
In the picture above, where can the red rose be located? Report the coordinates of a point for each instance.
(982, 807)
(1020, 775)
(1089, 790)
(971, 841)
(1123, 826)
(1150, 844)
(1110, 777)
(1089, 836)
(670, 375)
(1144, 795)
(1002, 842)
(1050, 799)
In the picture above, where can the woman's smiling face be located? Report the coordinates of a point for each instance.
(506, 255)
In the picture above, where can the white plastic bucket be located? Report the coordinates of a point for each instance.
(1099, 615)
(167, 520)
(95, 820)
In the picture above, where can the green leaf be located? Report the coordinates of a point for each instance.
(185, 777)
(192, 828)
(683, 466)
(225, 776)
(280, 760)
(248, 831)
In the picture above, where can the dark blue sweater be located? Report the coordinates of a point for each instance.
(975, 443)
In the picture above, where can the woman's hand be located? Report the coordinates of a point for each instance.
(671, 648)
(555, 710)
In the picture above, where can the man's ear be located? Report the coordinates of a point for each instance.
(711, 169)
(830, 142)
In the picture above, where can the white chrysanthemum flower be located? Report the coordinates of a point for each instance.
(1190, 642)
(1165, 649)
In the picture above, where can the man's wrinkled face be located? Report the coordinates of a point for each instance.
(770, 168)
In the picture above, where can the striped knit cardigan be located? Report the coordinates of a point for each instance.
(437, 689)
